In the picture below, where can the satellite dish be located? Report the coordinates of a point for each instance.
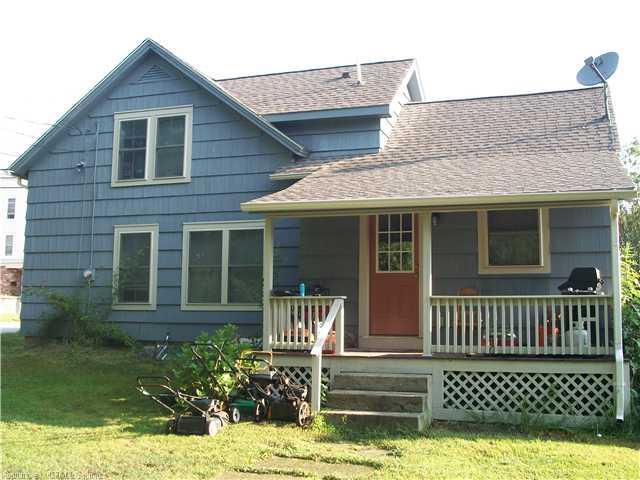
(598, 70)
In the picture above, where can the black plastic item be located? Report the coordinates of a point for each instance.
(582, 281)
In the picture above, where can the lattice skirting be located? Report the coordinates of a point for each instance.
(302, 375)
(574, 394)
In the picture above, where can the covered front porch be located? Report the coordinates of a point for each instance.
(420, 283)
(411, 291)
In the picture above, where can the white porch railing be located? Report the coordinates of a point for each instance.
(296, 321)
(313, 324)
(523, 325)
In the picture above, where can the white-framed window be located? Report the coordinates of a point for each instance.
(394, 243)
(152, 146)
(222, 265)
(8, 245)
(11, 208)
(513, 241)
(135, 266)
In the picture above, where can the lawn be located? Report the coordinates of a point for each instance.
(73, 413)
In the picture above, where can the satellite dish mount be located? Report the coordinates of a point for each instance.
(597, 71)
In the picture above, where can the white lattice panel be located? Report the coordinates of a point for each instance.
(575, 394)
(302, 375)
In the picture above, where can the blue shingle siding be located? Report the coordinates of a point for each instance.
(579, 238)
(231, 163)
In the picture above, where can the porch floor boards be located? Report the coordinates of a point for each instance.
(417, 355)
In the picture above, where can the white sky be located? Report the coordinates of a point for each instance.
(54, 52)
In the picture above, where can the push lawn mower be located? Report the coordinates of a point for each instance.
(200, 415)
(266, 394)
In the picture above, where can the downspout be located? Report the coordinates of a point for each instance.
(617, 312)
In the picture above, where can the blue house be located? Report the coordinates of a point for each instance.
(431, 236)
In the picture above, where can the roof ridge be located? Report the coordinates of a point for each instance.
(312, 69)
(505, 96)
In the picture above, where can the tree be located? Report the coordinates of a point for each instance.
(630, 215)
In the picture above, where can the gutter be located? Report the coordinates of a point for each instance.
(373, 203)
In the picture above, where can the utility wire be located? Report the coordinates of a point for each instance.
(15, 119)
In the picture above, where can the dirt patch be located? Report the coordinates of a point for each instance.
(255, 476)
(321, 469)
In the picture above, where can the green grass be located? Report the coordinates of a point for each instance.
(74, 411)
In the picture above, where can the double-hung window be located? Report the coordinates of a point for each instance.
(135, 261)
(222, 265)
(513, 241)
(152, 146)
(8, 245)
(11, 208)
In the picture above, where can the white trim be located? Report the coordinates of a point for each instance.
(367, 203)
(483, 245)
(225, 227)
(153, 229)
(267, 283)
(617, 311)
(152, 115)
(401, 231)
(363, 277)
(426, 283)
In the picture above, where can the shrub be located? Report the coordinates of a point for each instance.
(76, 318)
(215, 380)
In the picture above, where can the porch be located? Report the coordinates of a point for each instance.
(527, 335)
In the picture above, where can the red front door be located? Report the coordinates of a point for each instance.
(394, 287)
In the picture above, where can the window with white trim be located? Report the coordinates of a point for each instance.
(135, 266)
(394, 243)
(11, 208)
(8, 245)
(222, 265)
(152, 146)
(513, 241)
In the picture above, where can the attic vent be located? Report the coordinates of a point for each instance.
(154, 74)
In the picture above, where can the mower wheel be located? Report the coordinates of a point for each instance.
(303, 415)
(213, 426)
(234, 414)
(170, 427)
(260, 412)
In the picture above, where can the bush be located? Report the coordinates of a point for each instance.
(75, 318)
(215, 380)
(630, 290)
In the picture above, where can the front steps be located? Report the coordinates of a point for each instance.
(380, 400)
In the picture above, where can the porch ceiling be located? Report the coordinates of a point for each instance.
(542, 147)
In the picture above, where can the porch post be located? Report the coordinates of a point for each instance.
(617, 311)
(267, 283)
(425, 281)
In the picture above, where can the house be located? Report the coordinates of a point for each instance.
(435, 234)
(13, 201)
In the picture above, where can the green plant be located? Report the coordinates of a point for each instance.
(77, 318)
(213, 378)
(630, 289)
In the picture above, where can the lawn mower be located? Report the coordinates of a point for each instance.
(199, 415)
(263, 394)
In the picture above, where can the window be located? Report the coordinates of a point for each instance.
(513, 241)
(135, 260)
(152, 146)
(8, 245)
(222, 266)
(394, 247)
(11, 208)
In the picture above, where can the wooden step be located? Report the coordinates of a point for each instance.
(377, 401)
(382, 382)
(400, 420)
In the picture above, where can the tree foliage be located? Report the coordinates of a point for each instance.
(630, 214)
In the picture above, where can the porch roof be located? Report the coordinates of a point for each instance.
(537, 147)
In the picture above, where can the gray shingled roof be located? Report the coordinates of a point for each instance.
(551, 142)
(319, 89)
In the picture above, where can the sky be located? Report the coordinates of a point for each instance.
(54, 52)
